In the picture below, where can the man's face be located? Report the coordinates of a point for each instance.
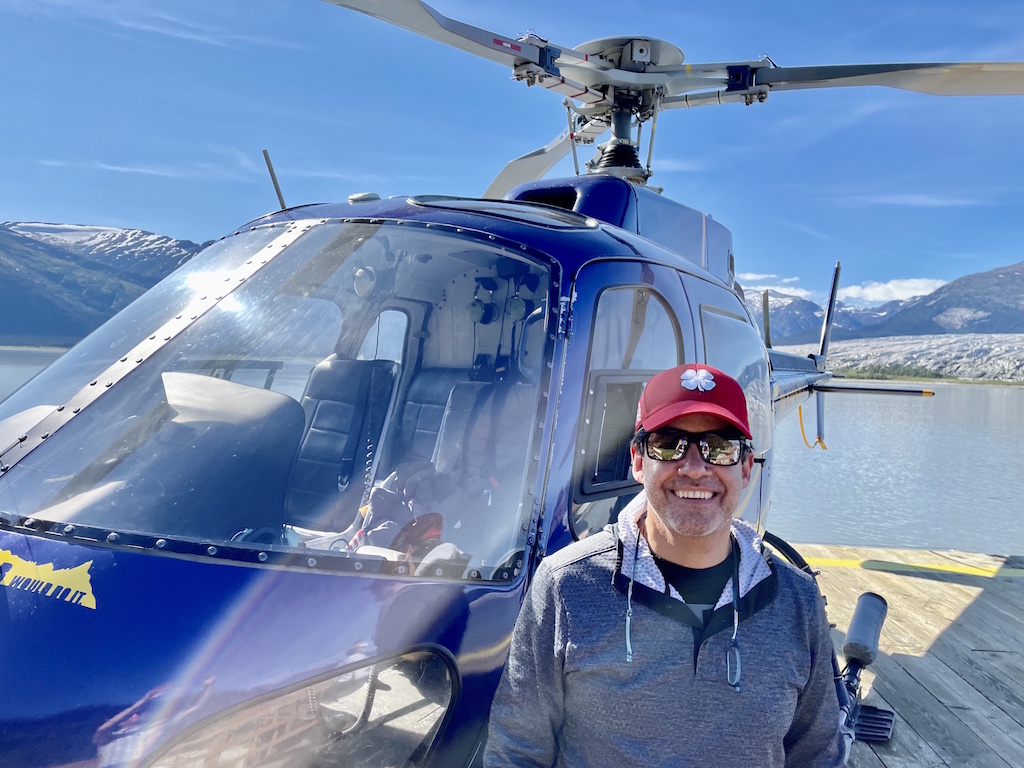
(690, 496)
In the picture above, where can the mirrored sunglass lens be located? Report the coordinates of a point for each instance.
(665, 446)
(721, 450)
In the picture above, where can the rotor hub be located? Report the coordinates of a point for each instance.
(634, 54)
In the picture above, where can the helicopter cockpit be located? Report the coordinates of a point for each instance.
(366, 394)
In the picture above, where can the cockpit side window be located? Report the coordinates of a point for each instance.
(733, 345)
(386, 338)
(634, 335)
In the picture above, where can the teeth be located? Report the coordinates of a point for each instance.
(693, 494)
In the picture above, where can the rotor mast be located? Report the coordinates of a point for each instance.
(620, 156)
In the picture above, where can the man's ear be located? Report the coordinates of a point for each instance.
(638, 463)
(748, 465)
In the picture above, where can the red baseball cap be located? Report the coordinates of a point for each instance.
(689, 389)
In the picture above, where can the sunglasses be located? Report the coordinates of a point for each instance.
(715, 449)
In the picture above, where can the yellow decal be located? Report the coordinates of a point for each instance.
(70, 585)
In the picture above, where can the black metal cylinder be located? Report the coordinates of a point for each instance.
(865, 627)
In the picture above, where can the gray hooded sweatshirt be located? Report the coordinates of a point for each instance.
(569, 698)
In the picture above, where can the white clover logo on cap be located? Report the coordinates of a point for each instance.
(699, 379)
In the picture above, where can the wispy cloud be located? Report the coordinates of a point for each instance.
(244, 161)
(753, 282)
(873, 292)
(374, 180)
(804, 229)
(918, 200)
(788, 289)
(189, 171)
(145, 18)
(814, 128)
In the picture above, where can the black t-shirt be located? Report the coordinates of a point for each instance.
(700, 588)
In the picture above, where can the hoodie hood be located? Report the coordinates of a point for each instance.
(753, 567)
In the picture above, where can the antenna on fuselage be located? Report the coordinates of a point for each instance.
(273, 178)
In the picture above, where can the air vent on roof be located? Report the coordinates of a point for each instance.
(559, 197)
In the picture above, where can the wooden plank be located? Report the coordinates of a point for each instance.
(1003, 734)
(1007, 589)
(951, 739)
(1001, 632)
(984, 675)
(960, 704)
(906, 749)
(907, 628)
(861, 756)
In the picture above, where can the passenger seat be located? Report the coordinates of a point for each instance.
(345, 403)
(423, 414)
(484, 440)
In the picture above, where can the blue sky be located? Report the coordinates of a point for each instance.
(153, 114)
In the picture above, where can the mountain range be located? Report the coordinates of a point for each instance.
(984, 302)
(60, 281)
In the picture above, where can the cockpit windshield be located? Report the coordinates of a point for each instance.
(370, 393)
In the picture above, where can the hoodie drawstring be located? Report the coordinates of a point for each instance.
(733, 662)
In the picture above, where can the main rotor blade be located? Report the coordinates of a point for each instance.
(530, 61)
(420, 18)
(959, 79)
(530, 167)
(534, 165)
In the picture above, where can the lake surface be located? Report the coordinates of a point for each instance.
(19, 364)
(944, 472)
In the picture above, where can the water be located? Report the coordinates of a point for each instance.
(945, 472)
(19, 364)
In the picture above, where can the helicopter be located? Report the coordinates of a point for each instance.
(283, 509)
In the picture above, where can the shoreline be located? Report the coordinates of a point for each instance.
(847, 374)
(32, 348)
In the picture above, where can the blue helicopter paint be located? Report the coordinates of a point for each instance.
(196, 623)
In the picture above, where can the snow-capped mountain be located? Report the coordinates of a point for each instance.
(796, 319)
(980, 303)
(58, 282)
(130, 250)
(983, 302)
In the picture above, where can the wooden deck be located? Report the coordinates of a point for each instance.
(951, 661)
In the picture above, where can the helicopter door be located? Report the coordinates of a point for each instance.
(625, 327)
(728, 339)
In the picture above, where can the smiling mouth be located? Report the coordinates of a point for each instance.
(693, 494)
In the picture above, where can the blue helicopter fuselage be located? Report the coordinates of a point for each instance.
(284, 508)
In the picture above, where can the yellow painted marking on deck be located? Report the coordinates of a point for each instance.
(885, 565)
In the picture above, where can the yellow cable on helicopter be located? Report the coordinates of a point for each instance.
(818, 441)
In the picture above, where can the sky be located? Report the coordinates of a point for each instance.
(153, 114)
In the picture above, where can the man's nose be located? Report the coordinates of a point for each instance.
(692, 462)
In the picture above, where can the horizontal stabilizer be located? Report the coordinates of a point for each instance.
(875, 390)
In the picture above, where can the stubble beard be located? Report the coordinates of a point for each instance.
(690, 520)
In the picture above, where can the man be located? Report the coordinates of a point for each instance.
(671, 638)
